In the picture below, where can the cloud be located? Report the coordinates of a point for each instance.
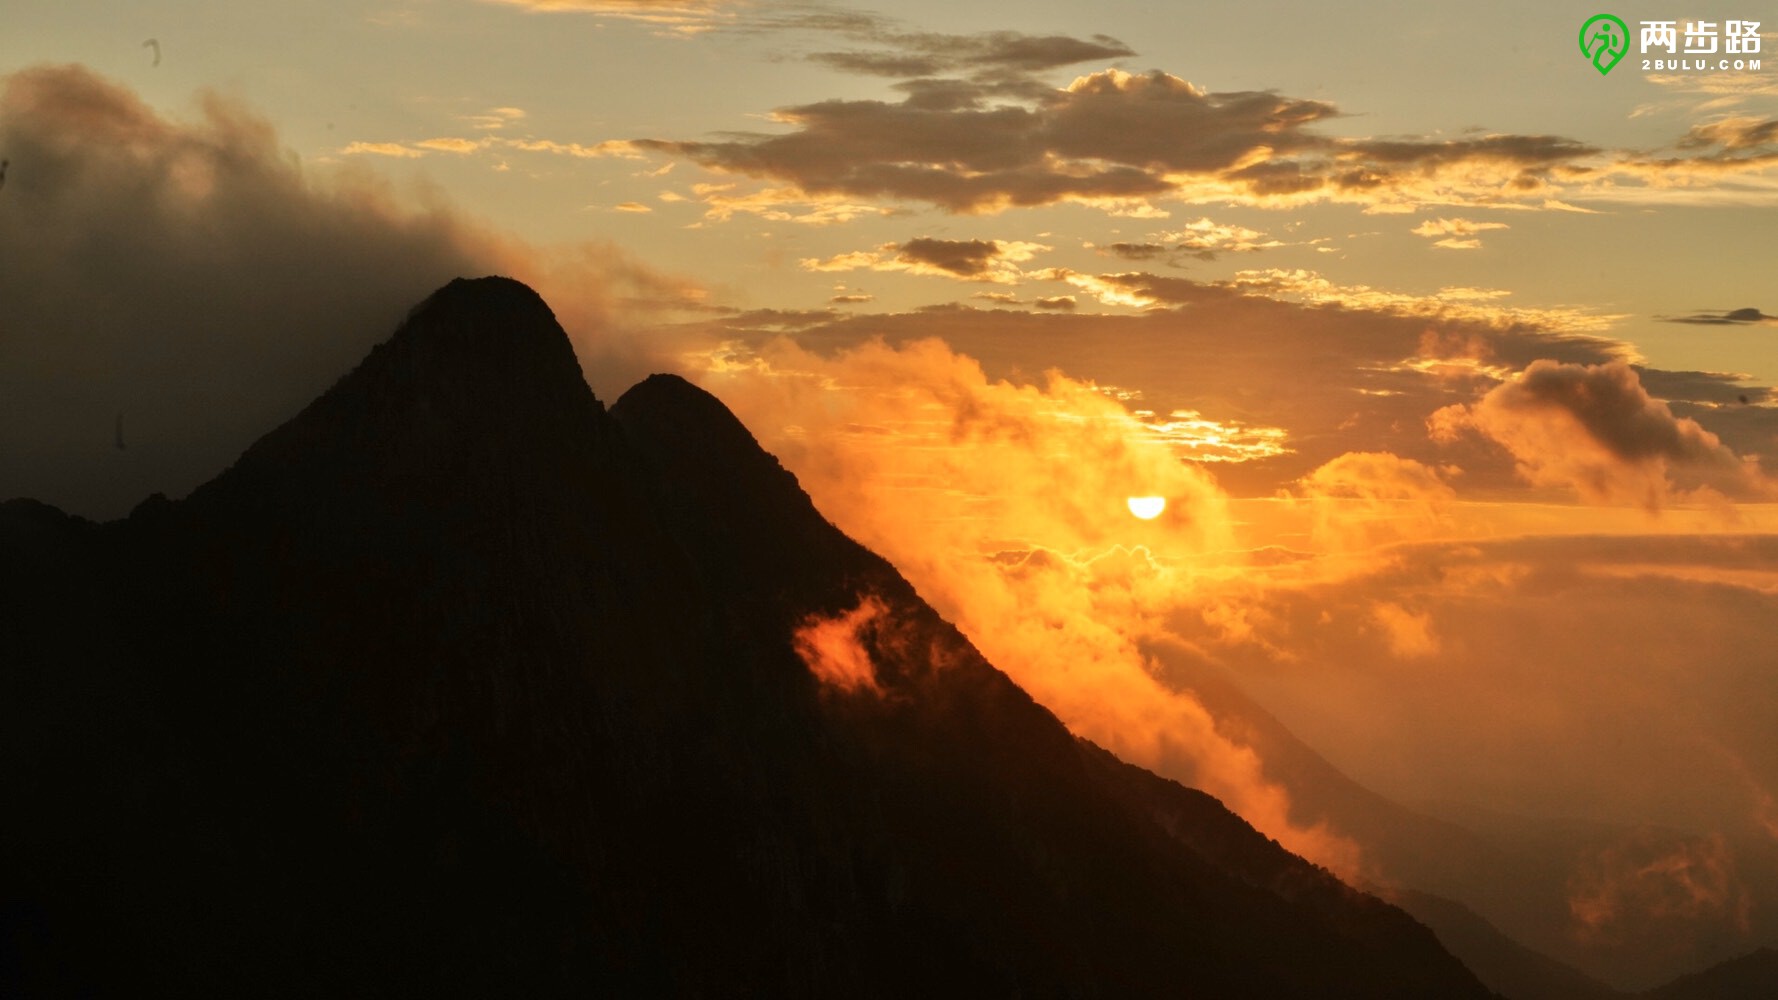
(1732, 135)
(834, 649)
(1709, 93)
(1727, 161)
(1475, 305)
(1363, 499)
(440, 145)
(1005, 504)
(1458, 234)
(927, 54)
(1203, 239)
(1117, 140)
(1729, 317)
(1450, 305)
(1385, 361)
(494, 118)
(1582, 685)
(1136, 251)
(677, 17)
(1661, 893)
(1366, 608)
(782, 205)
(1594, 429)
(393, 149)
(1409, 635)
(1368, 475)
(969, 260)
(461, 147)
(193, 277)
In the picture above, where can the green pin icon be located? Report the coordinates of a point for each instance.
(1605, 40)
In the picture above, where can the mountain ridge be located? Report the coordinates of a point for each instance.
(459, 682)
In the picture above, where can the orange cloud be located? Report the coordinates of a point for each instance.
(1006, 506)
(680, 17)
(1477, 305)
(460, 146)
(1363, 499)
(1202, 239)
(1409, 635)
(1457, 234)
(394, 149)
(442, 145)
(833, 650)
(781, 205)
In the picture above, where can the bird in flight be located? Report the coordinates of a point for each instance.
(156, 46)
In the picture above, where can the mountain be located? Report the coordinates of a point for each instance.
(460, 683)
(1751, 977)
(1513, 875)
(1508, 967)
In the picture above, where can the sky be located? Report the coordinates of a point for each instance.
(1451, 355)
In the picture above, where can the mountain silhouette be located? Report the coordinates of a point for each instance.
(459, 683)
(1749, 977)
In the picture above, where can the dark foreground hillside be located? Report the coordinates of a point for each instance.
(459, 683)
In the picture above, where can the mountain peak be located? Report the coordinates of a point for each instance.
(478, 382)
(491, 312)
(489, 334)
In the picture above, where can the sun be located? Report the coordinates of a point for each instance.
(1147, 508)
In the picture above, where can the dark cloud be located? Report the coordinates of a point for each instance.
(964, 258)
(1709, 388)
(184, 274)
(192, 276)
(963, 158)
(1596, 430)
(1610, 402)
(968, 260)
(1114, 137)
(783, 319)
(1713, 150)
(1136, 251)
(1731, 317)
(1732, 135)
(1526, 151)
(1065, 303)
